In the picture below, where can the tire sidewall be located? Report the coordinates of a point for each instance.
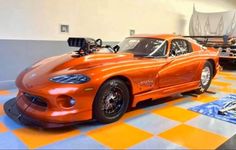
(98, 114)
(203, 88)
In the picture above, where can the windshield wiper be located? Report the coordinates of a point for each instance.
(155, 56)
(149, 56)
(139, 55)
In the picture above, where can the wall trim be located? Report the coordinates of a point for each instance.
(8, 84)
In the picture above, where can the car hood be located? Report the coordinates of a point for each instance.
(67, 64)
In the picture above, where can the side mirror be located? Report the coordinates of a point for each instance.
(203, 48)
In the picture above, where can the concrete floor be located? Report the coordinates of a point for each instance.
(164, 124)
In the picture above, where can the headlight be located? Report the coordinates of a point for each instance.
(70, 78)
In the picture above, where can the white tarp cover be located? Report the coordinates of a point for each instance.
(213, 24)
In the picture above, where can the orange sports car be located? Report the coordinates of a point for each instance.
(102, 82)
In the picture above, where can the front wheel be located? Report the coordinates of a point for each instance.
(206, 77)
(111, 101)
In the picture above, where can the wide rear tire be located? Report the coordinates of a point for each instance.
(206, 77)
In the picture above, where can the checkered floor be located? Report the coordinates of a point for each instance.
(163, 124)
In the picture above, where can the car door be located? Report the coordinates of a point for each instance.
(181, 64)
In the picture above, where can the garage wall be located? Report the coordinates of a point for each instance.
(16, 55)
(29, 29)
(107, 19)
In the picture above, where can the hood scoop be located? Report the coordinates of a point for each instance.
(88, 46)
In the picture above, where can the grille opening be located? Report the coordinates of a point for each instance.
(223, 51)
(233, 52)
(35, 100)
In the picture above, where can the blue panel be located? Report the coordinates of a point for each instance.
(4, 98)
(10, 141)
(156, 143)
(78, 142)
(9, 123)
(212, 109)
(13, 91)
(152, 123)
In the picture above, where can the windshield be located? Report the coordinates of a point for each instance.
(144, 46)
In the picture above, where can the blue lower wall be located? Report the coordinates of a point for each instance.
(15, 55)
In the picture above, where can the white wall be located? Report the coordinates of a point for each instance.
(107, 19)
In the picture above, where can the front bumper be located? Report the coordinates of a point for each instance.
(17, 115)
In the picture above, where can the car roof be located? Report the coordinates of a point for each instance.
(158, 36)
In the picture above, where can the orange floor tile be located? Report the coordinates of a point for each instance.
(35, 138)
(119, 136)
(230, 78)
(205, 98)
(193, 138)
(176, 113)
(3, 128)
(220, 83)
(1, 110)
(4, 92)
(228, 90)
(222, 73)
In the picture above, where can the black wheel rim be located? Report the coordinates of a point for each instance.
(112, 101)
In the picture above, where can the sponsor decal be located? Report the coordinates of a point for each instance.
(146, 83)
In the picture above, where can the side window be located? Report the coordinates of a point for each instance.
(180, 47)
(161, 49)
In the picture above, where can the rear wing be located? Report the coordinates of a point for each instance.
(215, 41)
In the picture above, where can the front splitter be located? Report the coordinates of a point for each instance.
(14, 113)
